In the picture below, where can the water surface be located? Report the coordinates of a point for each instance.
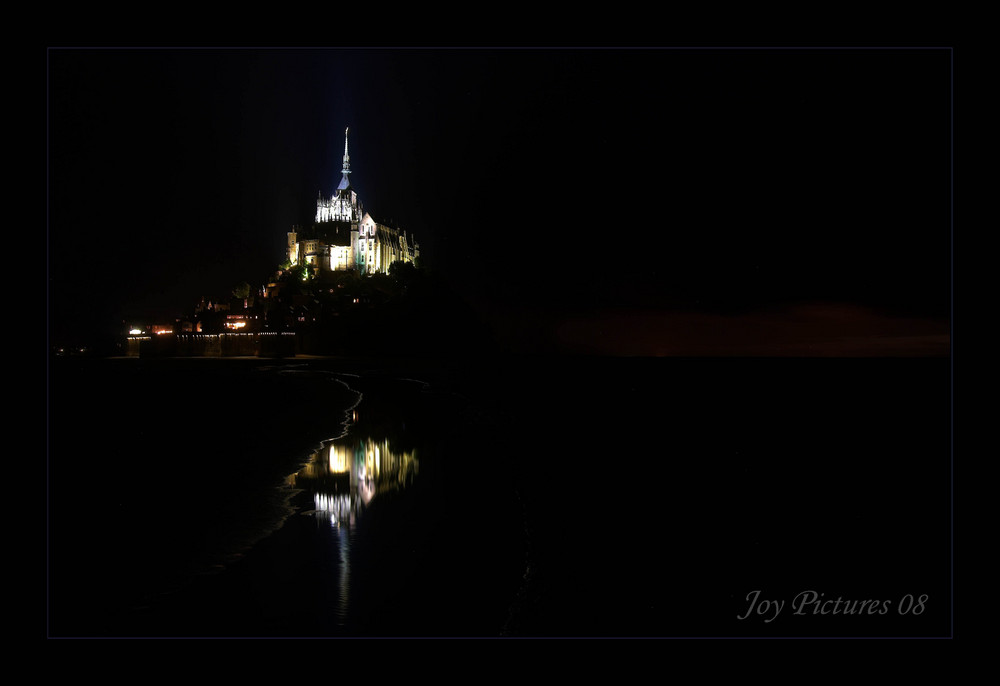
(573, 497)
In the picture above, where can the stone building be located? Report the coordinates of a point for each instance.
(344, 236)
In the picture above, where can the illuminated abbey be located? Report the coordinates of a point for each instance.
(346, 237)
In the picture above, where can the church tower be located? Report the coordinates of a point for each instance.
(343, 204)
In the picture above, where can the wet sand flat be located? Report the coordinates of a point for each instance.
(602, 497)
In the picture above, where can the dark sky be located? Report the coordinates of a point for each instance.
(554, 181)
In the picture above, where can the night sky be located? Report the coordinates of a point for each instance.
(560, 186)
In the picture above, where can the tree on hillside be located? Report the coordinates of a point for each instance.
(241, 290)
(400, 270)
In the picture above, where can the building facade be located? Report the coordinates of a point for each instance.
(344, 236)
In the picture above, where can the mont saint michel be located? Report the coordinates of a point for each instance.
(500, 343)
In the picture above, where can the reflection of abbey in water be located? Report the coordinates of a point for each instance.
(346, 474)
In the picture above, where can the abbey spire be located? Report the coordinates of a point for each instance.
(345, 183)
